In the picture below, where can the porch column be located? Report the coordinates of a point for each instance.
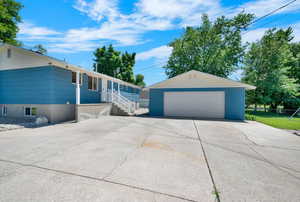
(112, 90)
(119, 92)
(77, 87)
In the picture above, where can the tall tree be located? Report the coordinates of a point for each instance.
(139, 80)
(294, 71)
(9, 18)
(40, 49)
(114, 63)
(107, 61)
(267, 64)
(126, 69)
(213, 47)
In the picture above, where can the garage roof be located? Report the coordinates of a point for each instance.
(197, 79)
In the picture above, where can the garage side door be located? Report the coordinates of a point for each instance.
(195, 104)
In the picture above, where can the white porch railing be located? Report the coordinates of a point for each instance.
(120, 101)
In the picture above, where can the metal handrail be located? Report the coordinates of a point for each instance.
(120, 101)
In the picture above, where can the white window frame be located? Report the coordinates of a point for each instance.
(93, 80)
(80, 76)
(30, 112)
(4, 110)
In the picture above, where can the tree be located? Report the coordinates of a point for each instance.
(126, 69)
(267, 64)
(107, 61)
(9, 18)
(213, 48)
(139, 80)
(111, 62)
(40, 49)
(294, 71)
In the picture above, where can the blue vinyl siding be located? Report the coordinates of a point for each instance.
(43, 85)
(234, 101)
(27, 86)
(50, 85)
(65, 90)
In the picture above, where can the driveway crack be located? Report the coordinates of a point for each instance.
(215, 191)
(279, 167)
(96, 179)
(125, 158)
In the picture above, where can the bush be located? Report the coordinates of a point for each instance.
(250, 117)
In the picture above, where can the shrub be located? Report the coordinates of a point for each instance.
(250, 117)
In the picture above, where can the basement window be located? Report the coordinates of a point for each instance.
(74, 78)
(9, 53)
(92, 83)
(30, 111)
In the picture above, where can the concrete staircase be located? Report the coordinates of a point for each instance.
(121, 105)
(119, 111)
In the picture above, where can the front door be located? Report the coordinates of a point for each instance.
(104, 90)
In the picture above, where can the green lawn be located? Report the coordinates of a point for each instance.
(275, 120)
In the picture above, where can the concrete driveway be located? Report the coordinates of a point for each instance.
(136, 159)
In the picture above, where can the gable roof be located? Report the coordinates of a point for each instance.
(63, 64)
(197, 79)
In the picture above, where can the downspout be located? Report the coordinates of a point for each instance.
(78, 88)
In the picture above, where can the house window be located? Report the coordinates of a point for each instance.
(4, 110)
(30, 111)
(9, 53)
(92, 83)
(74, 78)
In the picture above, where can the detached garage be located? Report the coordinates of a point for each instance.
(198, 95)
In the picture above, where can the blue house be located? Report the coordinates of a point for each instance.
(196, 94)
(32, 84)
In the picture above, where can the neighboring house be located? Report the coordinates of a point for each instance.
(32, 84)
(198, 95)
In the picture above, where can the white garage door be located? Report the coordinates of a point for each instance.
(195, 104)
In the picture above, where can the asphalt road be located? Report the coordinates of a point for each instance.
(137, 159)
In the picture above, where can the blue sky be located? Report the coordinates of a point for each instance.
(73, 29)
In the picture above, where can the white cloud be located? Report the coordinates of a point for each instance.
(98, 9)
(71, 47)
(296, 28)
(262, 7)
(148, 15)
(30, 29)
(256, 34)
(253, 35)
(161, 54)
(189, 12)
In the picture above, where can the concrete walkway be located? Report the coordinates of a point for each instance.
(150, 159)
